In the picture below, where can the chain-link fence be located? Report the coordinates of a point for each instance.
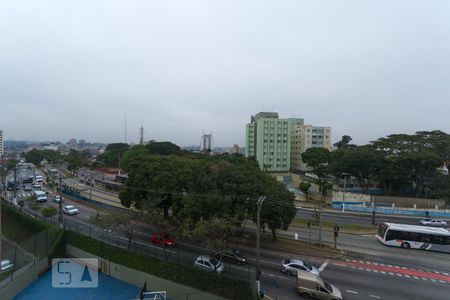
(26, 254)
(184, 254)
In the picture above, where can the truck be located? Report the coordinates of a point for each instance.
(311, 285)
(41, 196)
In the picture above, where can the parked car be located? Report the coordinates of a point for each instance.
(291, 266)
(433, 223)
(6, 265)
(70, 210)
(232, 255)
(162, 238)
(208, 263)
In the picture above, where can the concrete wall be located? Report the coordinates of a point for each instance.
(22, 278)
(410, 202)
(174, 290)
(351, 197)
(393, 211)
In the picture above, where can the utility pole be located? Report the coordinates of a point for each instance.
(322, 199)
(60, 219)
(90, 185)
(343, 194)
(15, 183)
(259, 204)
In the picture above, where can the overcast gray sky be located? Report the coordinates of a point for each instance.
(180, 68)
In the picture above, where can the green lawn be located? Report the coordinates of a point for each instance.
(13, 230)
(347, 228)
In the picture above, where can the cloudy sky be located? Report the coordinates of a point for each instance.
(180, 68)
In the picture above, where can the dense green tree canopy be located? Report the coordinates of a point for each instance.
(112, 155)
(196, 188)
(35, 156)
(76, 159)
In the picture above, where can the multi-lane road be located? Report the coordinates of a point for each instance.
(369, 270)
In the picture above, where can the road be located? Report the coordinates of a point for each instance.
(370, 270)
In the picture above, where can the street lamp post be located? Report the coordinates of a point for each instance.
(343, 194)
(259, 204)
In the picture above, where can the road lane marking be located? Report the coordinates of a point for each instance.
(375, 296)
(352, 292)
(324, 265)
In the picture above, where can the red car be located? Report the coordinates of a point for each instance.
(161, 237)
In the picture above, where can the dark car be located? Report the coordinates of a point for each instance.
(162, 238)
(232, 255)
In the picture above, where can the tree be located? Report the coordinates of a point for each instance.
(439, 142)
(49, 212)
(214, 233)
(112, 155)
(319, 160)
(413, 153)
(440, 187)
(344, 143)
(76, 160)
(363, 163)
(123, 222)
(304, 186)
(21, 204)
(10, 164)
(35, 156)
(278, 209)
(162, 148)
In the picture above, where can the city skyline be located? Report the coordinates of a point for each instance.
(180, 69)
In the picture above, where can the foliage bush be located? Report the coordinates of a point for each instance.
(167, 270)
(29, 223)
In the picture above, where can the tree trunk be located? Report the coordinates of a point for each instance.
(418, 187)
(274, 234)
(166, 212)
(322, 197)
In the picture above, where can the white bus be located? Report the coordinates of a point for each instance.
(413, 236)
(40, 196)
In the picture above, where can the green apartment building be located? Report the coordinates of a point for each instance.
(277, 144)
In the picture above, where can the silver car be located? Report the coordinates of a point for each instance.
(291, 266)
(433, 223)
(70, 210)
(208, 263)
(6, 265)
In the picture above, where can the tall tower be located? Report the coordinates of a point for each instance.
(1, 143)
(206, 143)
(141, 135)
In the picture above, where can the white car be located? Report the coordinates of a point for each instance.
(291, 266)
(433, 223)
(57, 198)
(208, 263)
(6, 265)
(70, 210)
(37, 185)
